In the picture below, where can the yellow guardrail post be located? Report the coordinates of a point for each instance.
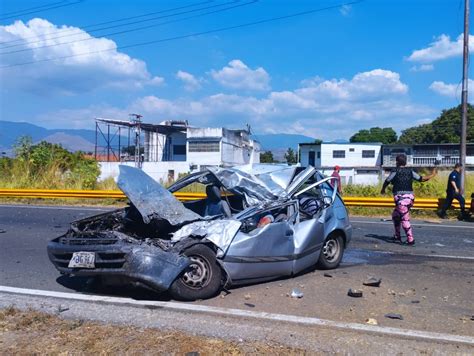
(378, 202)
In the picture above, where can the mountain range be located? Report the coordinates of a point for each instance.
(83, 140)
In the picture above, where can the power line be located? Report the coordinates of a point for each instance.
(221, 29)
(42, 10)
(138, 28)
(100, 24)
(32, 8)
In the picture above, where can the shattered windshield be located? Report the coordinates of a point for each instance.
(151, 199)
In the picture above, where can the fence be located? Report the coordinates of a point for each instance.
(420, 203)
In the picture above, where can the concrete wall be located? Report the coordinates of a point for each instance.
(356, 175)
(159, 171)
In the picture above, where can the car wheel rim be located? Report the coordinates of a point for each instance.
(198, 274)
(331, 250)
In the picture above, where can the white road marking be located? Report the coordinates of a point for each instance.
(183, 307)
(415, 224)
(55, 207)
(451, 257)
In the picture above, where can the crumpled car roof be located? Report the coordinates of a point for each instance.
(257, 183)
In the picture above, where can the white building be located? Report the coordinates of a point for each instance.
(173, 148)
(360, 162)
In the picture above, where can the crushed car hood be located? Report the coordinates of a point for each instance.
(151, 199)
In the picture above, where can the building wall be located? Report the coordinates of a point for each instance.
(353, 155)
(305, 153)
(160, 171)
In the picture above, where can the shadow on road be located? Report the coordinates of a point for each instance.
(98, 286)
(384, 238)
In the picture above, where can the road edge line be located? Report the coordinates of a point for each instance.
(204, 309)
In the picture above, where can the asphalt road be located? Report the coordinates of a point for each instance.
(431, 284)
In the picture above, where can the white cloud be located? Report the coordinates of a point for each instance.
(449, 90)
(75, 74)
(422, 68)
(191, 83)
(345, 10)
(237, 75)
(329, 109)
(441, 48)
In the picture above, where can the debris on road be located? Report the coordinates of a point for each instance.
(250, 305)
(373, 282)
(296, 293)
(62, 309)
(2, 231)
(371, 321)
(415, 302)
(327, 275)
(355, 293)
(394, 316)
(247, 296)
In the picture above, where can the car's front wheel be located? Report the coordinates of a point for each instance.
(332, 252)
(202, 279)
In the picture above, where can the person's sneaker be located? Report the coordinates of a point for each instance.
(441, 215)
(396, 239)
(410, 243)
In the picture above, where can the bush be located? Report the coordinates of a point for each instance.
(47, 166)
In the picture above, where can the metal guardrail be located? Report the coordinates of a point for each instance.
(384, 202)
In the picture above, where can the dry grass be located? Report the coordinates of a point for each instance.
(31, 332)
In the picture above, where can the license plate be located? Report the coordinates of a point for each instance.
(82, 260)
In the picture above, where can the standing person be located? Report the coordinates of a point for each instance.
(453, 192)
(402, 180)
(336, 174)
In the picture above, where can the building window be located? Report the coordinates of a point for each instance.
(319, 154)
(368, 153)
(351, 150)
(179, 149)
(204, 146)
(338, 154)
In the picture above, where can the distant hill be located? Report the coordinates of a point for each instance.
(271, 142)
(70, 139)
(83, 140)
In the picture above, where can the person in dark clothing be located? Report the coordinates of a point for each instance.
(453, 191)
(402, 181)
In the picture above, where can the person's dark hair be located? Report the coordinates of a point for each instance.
(457, 165)
(401, 160)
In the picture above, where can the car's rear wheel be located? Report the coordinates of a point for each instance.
(202, 279)
(332, 252)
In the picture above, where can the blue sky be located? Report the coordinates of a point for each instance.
(326, 74)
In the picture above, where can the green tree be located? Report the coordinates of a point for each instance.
(446, 128)
(290, 156)
(384, 135)
(267, 157)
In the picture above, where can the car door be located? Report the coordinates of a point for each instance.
(263, 252)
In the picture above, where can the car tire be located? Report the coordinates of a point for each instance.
(331, 252)
(202, 279)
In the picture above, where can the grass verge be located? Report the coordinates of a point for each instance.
(31, 332)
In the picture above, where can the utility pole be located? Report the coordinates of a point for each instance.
(465, 76)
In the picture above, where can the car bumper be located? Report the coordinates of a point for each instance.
(146, 264)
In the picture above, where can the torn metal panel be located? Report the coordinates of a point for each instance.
(219, 232)
(251, 187)
(299, 180)
(151, 199)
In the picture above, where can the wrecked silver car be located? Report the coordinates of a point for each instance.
(257, 223)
